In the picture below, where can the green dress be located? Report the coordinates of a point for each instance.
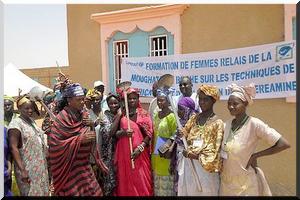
(163, 181)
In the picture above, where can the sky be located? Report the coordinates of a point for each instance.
(35, 35)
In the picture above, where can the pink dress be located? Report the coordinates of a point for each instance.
(137, 181)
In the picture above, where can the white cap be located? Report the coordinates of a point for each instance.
(98, 83)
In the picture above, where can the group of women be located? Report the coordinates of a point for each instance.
(209, 157)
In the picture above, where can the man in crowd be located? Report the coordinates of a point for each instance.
(99, 85)
(186, 89)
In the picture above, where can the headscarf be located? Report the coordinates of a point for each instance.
(188, 104)
(245, 93)
(129, 91)
(110, 95)
(25, 99)
(163, 92)
(210, 90)
(9, 98)
(73, 90)
(93, 94)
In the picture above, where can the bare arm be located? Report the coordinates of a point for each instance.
(115, 125)
(14, 136)
(280, 145)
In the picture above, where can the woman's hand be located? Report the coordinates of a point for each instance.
(87, 121)
(89, 137)
(179, 133)
(25, 176)
(252, 162)
(189, 154)
(122, 132)
(135, 153)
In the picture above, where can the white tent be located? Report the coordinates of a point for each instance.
(14, 80)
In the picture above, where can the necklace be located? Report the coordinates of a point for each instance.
(240, 125)
(36, 131)
(232, 133)
(132, 113)
(207, 119)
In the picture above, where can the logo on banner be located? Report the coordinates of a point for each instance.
(284, 52)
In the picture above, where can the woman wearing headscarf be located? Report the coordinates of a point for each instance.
(9, 114)
(204, 134)
(240, 175)
(186, 108)
(135, 181)
(92, 118)
(28, 145)
(165, 126)
(108, 129)
(70, 147)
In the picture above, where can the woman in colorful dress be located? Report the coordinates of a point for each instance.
(135, 181)
(28, 145)
(165, 126)
(70, 146)
(108, 129)
(240, 175)
(204, 134)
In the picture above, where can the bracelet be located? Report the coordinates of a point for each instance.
(141, 148)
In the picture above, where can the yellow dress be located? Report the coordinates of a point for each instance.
(206, 142)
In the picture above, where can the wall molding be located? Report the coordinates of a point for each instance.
(144, 18)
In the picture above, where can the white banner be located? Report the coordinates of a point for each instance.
(271, 67)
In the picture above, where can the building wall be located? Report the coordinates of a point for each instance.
(45, 75)
(206, 28)
(84, 41)
(236, 26)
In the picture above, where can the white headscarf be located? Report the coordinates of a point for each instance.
(245, 93)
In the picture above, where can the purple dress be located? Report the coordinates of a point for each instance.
(7, 176)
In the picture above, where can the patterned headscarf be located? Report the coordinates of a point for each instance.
(9, 98)
(93, 94)
(210, 90)
(25, 99)
(73, 90)
(245, 93)
(188, 104)
(164, 92)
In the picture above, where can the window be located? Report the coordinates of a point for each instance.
(158, 45)
(294, 27)
(120, 51)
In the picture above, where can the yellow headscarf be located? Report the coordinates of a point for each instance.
(23, 99)
(92, 94)
(210, 90)
(9, 98)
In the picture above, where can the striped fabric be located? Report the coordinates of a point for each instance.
(69, 158)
